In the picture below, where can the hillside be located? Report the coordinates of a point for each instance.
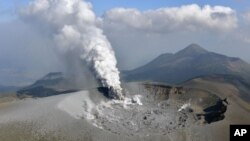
(192, 61)
(51, 84)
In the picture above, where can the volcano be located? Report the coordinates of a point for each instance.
(196, 109)
(156, 106)
(193, 61)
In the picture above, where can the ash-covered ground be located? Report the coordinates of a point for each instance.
(149, 112)
(153, 109)
(148, 118)
(141, 114)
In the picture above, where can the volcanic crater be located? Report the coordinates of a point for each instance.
(153, 108)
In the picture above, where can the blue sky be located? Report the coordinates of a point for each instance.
(7, 7)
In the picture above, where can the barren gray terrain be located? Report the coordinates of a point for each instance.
(150, 112)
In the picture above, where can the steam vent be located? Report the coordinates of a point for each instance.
(111, 93)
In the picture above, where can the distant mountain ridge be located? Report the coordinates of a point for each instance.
(51, 84)
(190, 63)
(53, 79)
(193, 61)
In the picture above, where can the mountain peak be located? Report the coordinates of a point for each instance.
(53, 75)
(192, 49)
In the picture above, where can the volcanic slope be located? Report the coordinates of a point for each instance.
(192, 61)
(153, 112)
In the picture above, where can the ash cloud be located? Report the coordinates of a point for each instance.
(72, 25)
(136, 36)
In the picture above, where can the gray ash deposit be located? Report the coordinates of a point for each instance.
(157, 109)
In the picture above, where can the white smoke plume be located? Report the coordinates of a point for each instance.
(72, 25)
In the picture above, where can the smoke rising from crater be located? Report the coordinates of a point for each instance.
(72, 25)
